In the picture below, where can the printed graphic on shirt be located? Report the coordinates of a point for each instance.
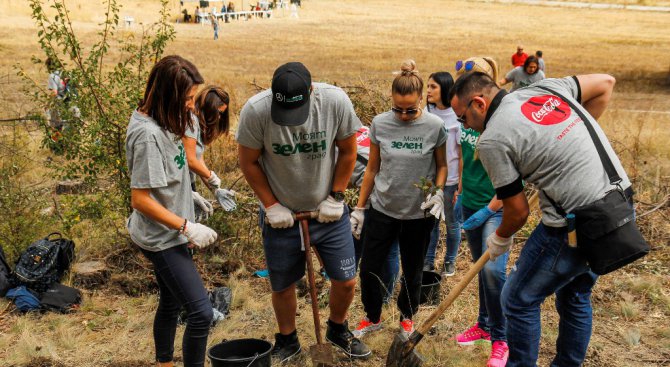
(412, 143)
(469, 137)
(546, 110)
(180, 158)
(314, 144)
(363, 137)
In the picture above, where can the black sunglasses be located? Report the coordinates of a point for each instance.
(408, 112)
(461, 118)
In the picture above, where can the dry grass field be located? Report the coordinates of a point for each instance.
(360, 43)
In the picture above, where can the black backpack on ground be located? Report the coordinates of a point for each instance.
(60, 298)
(44, 262)
(6, 275)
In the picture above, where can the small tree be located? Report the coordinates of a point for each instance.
(93, 141)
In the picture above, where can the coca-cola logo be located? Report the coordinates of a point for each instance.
(546, 110)
(363, 137)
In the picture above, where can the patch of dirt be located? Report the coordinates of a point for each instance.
(43, 362)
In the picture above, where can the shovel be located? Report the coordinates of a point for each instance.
(402, 353)
(321, 353)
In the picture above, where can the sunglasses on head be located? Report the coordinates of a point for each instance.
(408, 112)
(468, 65)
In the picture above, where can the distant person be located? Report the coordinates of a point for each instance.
(162, 222)
(519, 57)
(215, 25)
(523, 76)
(224, 11)
(198, 15)
(287, 138)
(231, 9)
(407, 146)
(437, 103)
(540, 61)
(294, 11)
(187, 16)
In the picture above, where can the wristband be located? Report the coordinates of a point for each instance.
(182, 229)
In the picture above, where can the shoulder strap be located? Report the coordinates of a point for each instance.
(604, 157)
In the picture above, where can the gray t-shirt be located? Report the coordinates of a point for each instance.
(299, 161)
(194, 133)
(540, 64)
(536, 136)
(520, 78)
(407, 154)
(157, 161)
(56, 83)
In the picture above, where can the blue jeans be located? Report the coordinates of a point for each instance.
(491, 279)
(453, 230)
(547, 265)
(179, 285)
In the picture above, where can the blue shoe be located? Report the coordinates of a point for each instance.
(262, 273)
(323, 274)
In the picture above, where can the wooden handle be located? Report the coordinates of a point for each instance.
(305, 215)
(458, 289)
(310, 277)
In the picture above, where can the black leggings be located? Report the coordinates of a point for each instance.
(180, 284)
(380, 233)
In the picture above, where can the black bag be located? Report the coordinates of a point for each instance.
(606, 231)
(60, 298)
(44, 262)
(5, 275)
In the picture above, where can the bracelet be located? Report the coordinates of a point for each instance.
(183, 226)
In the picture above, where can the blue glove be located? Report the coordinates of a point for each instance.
(478, 218)
(458, 210)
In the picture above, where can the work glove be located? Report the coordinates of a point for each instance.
(279, 216)
(436, 204)
(202, 203)
(330, 210)
(226, 198)
(199, 234)
(213, 181)
(498, 245)
(356, 220)
(477, 219)
(458, 209)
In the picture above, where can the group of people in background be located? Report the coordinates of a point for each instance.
(446, 158)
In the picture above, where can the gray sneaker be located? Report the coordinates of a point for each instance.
(448, 269)
(428, 267)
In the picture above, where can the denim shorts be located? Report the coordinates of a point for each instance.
(286, 260)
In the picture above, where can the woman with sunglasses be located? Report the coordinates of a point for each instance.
(482, 212)
(407, 146)
(210, 121)
(437, 98)
(161, 223)
(523, 76)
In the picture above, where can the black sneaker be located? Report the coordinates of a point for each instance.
(286, 346)
(341, 337)
(448, 269)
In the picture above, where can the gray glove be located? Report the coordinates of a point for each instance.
(226, 198)
(202, 203)
(436, 204)
(199, 234)
(498, 245)
(356, 220)
(330, 210)
(213, 181)
(279, 216)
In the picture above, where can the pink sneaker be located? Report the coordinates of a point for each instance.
(499, 354)
(473, 335)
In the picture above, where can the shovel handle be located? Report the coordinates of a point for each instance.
(455, 292)
(310, 275)
(305, 215)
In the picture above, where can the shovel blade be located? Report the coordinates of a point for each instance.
(322, 355)
(397, 355)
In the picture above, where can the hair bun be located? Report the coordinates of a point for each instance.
(408, 67)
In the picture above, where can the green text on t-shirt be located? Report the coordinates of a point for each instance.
(180, 158)
(412, 143)
(314, 143)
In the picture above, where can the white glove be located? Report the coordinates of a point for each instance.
(226, 198)
(356, 220)
(279, 216)
(498, 245)
(330, 210)
(436, 204)
(203, 204)
(213, 181)
(199, 234)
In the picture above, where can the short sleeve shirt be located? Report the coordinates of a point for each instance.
(520, 78)
(194, 133)
(299, 161)
(477, 187)
(56, 83)
(157, 161)
(537, 137)
(407, 154)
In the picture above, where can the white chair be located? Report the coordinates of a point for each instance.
(128, 21)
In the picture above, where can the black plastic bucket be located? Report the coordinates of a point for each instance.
(430, 288)
(241, 353)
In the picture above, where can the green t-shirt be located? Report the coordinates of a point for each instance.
(477, 187)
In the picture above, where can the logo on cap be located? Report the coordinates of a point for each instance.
(546, 110)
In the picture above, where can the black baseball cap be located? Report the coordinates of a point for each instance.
(291, 85)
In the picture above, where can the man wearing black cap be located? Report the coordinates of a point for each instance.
(287, 138)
